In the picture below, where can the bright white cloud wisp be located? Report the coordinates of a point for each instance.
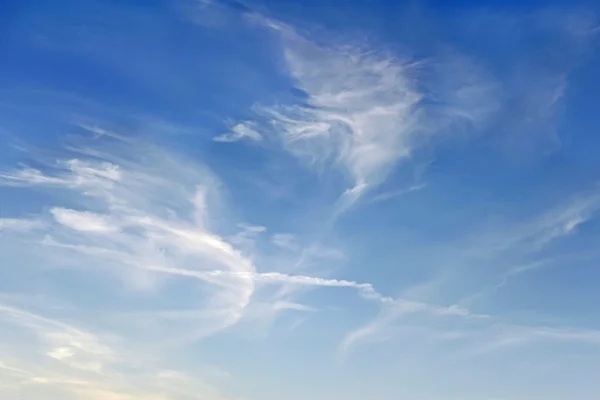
(123, 225)
(133, 270)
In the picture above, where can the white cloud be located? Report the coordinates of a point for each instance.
(63, 361)
(137, 233)
(83, 221)
(75, 174)
(148, 217)
(502, 337)
(100, 132)
(19, 225)
(246, 238)
(374, 330)
(361, 111)
(285, 241)
(366, 110)
(535, 233)
(284, 305)
(239, 132)
(396, 193)
(519, 239)
(62, 342)
(141, 226)
(472, 335)
(366, 290)
(564, 220)
(215, 14)
(253, 228)
(380, 327)
(60, 353)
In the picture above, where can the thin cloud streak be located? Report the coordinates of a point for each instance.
(366, 110)
(536, 233)
(396, 193)
(67, 362)
(525, 238)
(19, 225)
(128, 226)
(239, 132)
(360, 112)
(150, 262)
(124, 232)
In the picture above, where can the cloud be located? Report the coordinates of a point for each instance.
(530, 236)
(396, 193)
(502, 337)
(64, 343)
(500, 250)
(360, 113)
(216, 14)
(365, 110)
(63, 361)
(472, 335)
(564, 220)
(503, 279)
(246, 238)
(518, 240)
(239, 132)
(380, 328)
(365, 290)
(283, 305)
(19, 225)
(535, 233)
(100, 132)
(132, 224)
(125, 226)
(373, 331)
(76, 174)
(156, 260)
(284, 240)
(83, 221)
(551, 44)
(119, 223)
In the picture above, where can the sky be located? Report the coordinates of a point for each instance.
(266, 200)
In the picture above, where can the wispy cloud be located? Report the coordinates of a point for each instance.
(63, 361)
(360, 113)
(381, 327)
(520, 240)
(126, 263)
(145, 228)
(472, 335)
(502, 337)
(366, 110)
(64, 343)
(536, 232)
(239, 132)
(110, 217)
(396, 193)
(125, 226)
(16, 224)
(83, 221)
(285, 241)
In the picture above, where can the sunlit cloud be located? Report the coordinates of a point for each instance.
(210, 200)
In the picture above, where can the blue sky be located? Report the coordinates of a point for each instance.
(299, 199)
